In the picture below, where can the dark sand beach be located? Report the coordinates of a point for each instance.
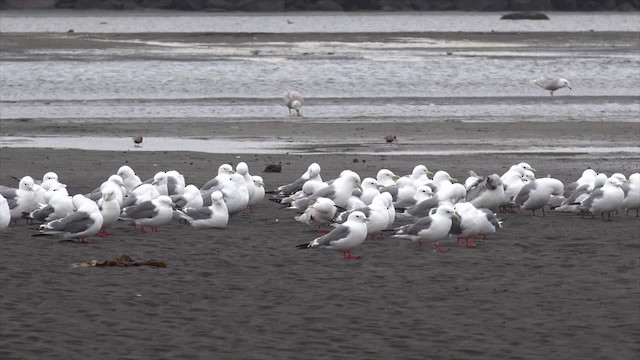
(554, 287)
(544, 287)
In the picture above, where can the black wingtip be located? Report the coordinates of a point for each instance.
(303, 246)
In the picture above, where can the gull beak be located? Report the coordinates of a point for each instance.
(380, 186)
(532, 169)
(430, 173)
(456, 216)
(569, 87)
(395, 177)
(366, 220)
(453, 180)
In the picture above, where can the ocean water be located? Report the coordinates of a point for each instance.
(377, 79)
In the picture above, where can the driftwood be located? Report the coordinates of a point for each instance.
(123, 260)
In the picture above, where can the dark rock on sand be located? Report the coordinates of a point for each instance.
(524, 16)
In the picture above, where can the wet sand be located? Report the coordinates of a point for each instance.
(543, 287)
(554, 287)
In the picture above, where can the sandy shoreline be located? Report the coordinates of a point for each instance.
(558, 286)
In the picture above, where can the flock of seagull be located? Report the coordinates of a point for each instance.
(123, 196)
(421, 206)
(437, 206)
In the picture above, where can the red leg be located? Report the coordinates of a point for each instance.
(103, 232)
(83, 241)
(439, 248)
(346, 254)
(470, 244)
(458, 242)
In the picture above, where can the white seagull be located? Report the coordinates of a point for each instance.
(294, 101)
(214, 216)
(344, 237)
(552, 83)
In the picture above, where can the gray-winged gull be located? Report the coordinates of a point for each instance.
(22, 199)
(85, 222)
(214, 216)
(151, 213)
(343, 238)
(606, 199)
(294, 101)
(432, 228)
(552, 83)
(536, 194)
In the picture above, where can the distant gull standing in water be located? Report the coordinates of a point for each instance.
(552, 83)
(293, 100)
(137, 140)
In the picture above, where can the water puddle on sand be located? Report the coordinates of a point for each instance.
(308, 146)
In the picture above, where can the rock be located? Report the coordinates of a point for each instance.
(273, 168)
(524, 16)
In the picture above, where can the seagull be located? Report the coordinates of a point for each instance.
(5, 213)
(473, 222)
(224, 173)
(580, 193)
(137, 140)
(420, 175)
(294, 101)
(552, 83)
(96, 194)
(258, 194)
(129, 177)
(433, 228)
(632, 193)
(214, 216)
(59, 205)
(313, 172)
(488, 193)
(606, 199)
(150, 213)
(370, 188)
(339, 191)
(235, 194)
(321, 212)
(109, 209)
(386, 177)
(536, 194)
(85, 222)
(190, 198)
(377, 213)
(343, 238)
(22, 199)
(144, 192)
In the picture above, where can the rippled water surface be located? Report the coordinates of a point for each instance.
(322, 22)
(413, 78)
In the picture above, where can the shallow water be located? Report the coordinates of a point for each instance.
(311, 145)
(376, 80)
(292, 22)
